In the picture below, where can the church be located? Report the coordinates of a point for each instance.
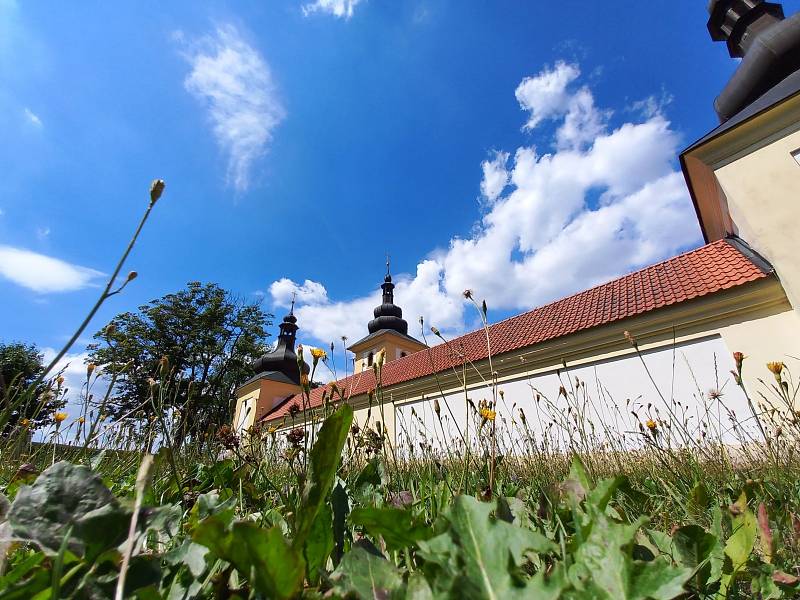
(655, 342)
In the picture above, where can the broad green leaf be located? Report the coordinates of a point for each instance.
(319, 544)
(486, 548)
(102, 529)
(366, 576)
(604, 566)
(418, 588)
(60, 496)
(577, 482)
(398, 526)
(548, 586)
(262, 556)
(693, 547)
(325, 457)
(191, 554)
(743, 535)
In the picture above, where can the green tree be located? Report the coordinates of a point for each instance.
(209, 338)
(20, 366)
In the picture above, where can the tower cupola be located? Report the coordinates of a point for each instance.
(283, 359)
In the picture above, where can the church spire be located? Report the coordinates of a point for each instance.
(388, 315)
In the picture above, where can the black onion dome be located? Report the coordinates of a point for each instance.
(388, 315)
(283, 359)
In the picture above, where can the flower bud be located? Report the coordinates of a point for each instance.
(132, 275)
(156, 189)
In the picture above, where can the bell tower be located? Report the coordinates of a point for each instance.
(277, 377)
(388, 331)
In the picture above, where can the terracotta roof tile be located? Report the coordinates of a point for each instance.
(706, 270)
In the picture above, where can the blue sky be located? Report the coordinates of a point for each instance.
(524, 150)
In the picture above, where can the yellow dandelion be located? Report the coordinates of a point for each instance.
(81, 420)
(487, 414)
(25, 422)
(775, 368)
(318, 353)
(60, 417)
(651, 425)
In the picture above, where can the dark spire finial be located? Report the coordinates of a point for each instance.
(294, 297)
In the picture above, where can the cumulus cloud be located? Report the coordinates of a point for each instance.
(43, 274)
(607, 200)
(495, 176)
(235, 84)
(72, 367)
(285, 290)
(338, 8)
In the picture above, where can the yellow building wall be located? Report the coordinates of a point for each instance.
(257, 398)
(763, 194)
(394, 345)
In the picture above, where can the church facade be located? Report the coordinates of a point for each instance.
(654, 345)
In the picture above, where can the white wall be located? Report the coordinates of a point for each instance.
(609, 391)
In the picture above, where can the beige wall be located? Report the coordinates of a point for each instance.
(763, 194)
(257, 398)
(394, 345)
(766, 336)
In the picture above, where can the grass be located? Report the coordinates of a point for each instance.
(544, 505)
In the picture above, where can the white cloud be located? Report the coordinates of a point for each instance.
(338, 8)
(33, 117)
(310, 292)
(606, 201)
(72, 366)
(235, 83)
(43, 274)
(495, 176)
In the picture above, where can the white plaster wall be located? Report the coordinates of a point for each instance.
(610, 390)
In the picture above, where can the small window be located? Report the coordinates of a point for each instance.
(370, 356)
(796, 156)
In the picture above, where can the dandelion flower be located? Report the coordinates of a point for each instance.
(487, 414)
(81, 420)
(25, 422)
(318, 353)
(775, 368)
(60, 417)
(651, 425)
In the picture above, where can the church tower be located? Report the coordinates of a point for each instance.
(277, 377)
(388, 331)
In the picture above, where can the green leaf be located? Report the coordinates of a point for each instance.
(487, 547)
(693, 549)
(102, 529)
(262, 556)
(604, 566)
(418, 588)
(319, 544)
(341, 508)
(191, 554)
(398, 526)
(325, 457)
(698, 500)
(743, 536)
(577, 482)
(366, 576)
(60, 496)
(548, 586)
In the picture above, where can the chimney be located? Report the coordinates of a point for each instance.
(768, 45)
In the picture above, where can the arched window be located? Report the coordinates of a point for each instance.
(370, 356)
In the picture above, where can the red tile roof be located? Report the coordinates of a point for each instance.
(712, 268)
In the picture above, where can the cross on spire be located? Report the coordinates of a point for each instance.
(294, 296)
(387, 263)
